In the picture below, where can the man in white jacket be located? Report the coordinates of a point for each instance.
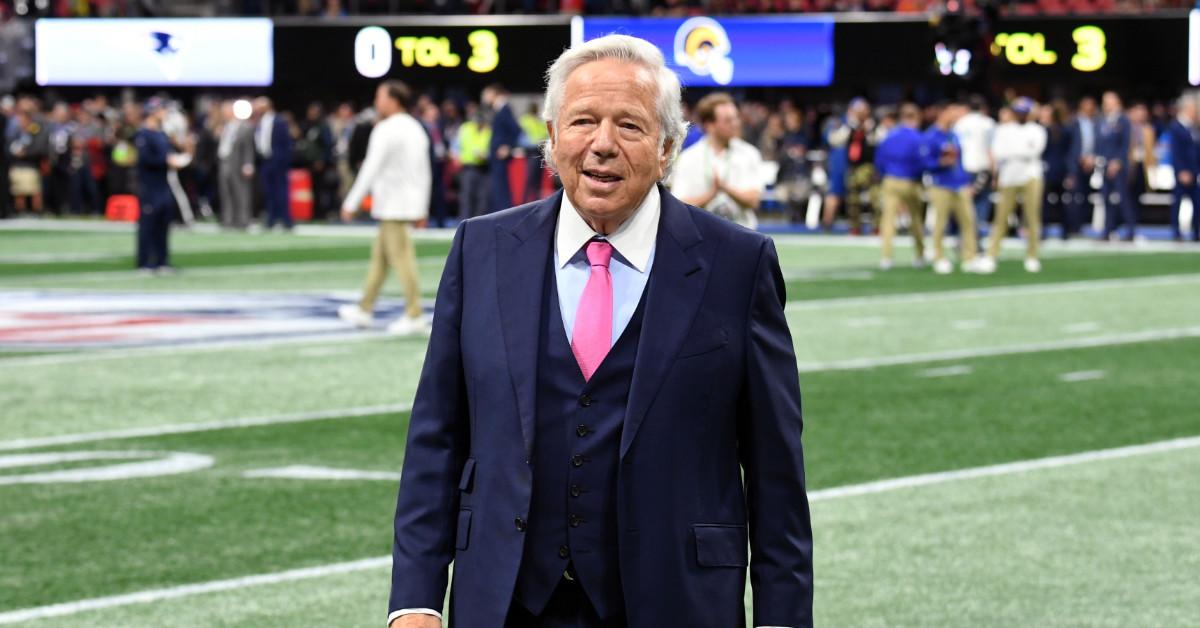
(1017, 148)
(397, 174)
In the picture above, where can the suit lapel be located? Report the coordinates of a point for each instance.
(673, 296)
(522, 256)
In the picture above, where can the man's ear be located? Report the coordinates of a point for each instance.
(550, 132)
(665, 157)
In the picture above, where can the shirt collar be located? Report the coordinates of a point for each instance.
(633, 241)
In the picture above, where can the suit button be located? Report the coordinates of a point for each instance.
(576, 491)
(575, 520)
(577, 460)
(582, 430)
(564, 551)
(520, 524)
(585, 400)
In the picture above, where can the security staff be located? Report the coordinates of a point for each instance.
(950, 192)
(1112, 148)
(1184, 160)
(901, 161)
(157, 203)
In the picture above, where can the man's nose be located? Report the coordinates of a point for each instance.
(604, 139)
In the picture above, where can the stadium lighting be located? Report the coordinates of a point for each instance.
(242, 109)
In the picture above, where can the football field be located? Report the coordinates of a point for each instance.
(215, 448)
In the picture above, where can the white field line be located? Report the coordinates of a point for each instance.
(204, 426)
(947, 371)
(188, 590)
(310, 472)
(802, 240)
(1007, 468)
(1033, 347)
(1081, 376)
(865, 363)
(869, 488)
(999, 291)
(207, 272)
(92, 226)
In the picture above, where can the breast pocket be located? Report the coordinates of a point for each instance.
(703, 343)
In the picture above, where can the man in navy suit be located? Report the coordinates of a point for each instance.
(609, 411)
(506, 135)
(1081, 162)
(274, 143)
(1184, 160)
(1112, 146)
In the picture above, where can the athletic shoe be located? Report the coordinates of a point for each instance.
(983, 265)
(355, 315)
(166, 271)
(1032, 265)
(145, 271)
(885, 264)
(943, 266)
(408, 326)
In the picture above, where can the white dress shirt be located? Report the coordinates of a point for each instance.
(265, 125)
(1017, 149)
(396, 171)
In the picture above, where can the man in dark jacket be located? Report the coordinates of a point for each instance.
(155, 200)
(1184, 160)
(506, 134)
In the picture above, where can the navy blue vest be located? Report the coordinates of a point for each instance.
(573, 515)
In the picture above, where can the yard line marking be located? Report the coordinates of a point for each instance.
(1081, 376)
(947, 371)
(187, 590)
(1007, 468)
(1081, 328)
(1083, 285)
(968, 325)
(852, 490)
(309, 472)
(1034, 347)
(233, 270)
(205, 426)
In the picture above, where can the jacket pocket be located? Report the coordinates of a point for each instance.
(464, 530)
(703, 342)
(466, 481)
(721, 545)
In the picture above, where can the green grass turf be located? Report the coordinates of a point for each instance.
(212, 524)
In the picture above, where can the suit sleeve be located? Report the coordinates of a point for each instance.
(770, 424)
(151, 154)
(438, 438)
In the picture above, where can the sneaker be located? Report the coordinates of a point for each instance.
(982, 266)
(408, 326)
(145, 271)
(943, 266)
(163, 271)
(1032, 265)
(885, 264)
(355, 315)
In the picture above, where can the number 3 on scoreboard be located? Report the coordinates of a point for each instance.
(485, 51)
(1090, 53)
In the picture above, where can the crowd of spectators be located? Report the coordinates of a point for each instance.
(340, 8)
(69, 158)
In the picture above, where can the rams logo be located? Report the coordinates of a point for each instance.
(702, 46)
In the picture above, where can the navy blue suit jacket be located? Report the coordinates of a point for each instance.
(281, 146)
(715, 392)
(1183, 148)
(506, 131)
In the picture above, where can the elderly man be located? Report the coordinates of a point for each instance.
(609, 411)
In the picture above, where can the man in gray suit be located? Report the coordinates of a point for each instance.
(235, 152)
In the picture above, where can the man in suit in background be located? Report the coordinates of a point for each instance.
(1112, 147)
(1081, 163)
(506, 135)
(235, 177)
(609, 411)
(274, 143)
(1185, 161)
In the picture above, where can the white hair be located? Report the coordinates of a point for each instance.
(671, 123)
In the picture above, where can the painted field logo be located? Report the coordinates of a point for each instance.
(117, 465)
(56, 320)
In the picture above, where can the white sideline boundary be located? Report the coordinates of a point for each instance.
(854, 490)
(208, 426)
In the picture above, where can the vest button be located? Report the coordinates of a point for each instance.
(585, 400)
(582, 431)
(575, 520)
(520, 524)
(577, 460)
(564, 551)
(576, 491)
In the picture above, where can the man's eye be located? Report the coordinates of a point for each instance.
(630, 126)
(580, 121)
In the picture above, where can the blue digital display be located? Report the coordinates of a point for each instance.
(732, 51)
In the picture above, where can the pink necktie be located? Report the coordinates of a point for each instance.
(592, 337)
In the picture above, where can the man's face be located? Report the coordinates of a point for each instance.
(606, 144)
(1188, 111)
(384, 103)
(724, 126)
(1112, 104)
(1087, 107)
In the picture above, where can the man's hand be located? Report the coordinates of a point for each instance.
(1113, 167)
(347, 216)
(502, 151)
(416, 620)
(1185, 177)
(1087, 163)
(248, 170)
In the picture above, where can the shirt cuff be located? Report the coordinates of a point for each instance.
(412, 611)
